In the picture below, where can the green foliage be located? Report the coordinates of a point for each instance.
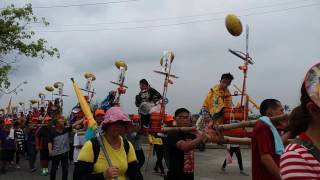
(16, 37)
(4, 81)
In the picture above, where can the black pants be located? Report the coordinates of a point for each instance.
(179, 176)
(165, 152)
(159, 153)
(140, 157)
(145, 120)
(237, 151)
(63, 158)
(71, 153)
(6, 157)
(18, 152)
(32, 154)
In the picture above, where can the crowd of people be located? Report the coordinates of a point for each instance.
(117, 152)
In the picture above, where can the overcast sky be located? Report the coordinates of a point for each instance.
(284, 44)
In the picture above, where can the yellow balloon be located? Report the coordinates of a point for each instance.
(120, 63)
(49, 88)
(233, 25)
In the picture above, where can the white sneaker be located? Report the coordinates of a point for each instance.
(244, 173)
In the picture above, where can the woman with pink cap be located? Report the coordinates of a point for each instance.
(92, 163)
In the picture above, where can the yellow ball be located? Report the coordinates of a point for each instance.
(49, 88)
(56, 84)
(40, 94)
(33, 101)
(120, 63)
(90, 75)
(233, 25)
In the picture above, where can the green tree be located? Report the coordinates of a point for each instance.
(16, 37)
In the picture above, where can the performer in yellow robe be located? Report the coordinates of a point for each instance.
(219, 97)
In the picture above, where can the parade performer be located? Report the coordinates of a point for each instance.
(92, 163)
(42, 138)
(181, 147)
(301, 158)
(109, 101)
(30, 131)
(76, 114)
(218, 98)
(147, 95)
(266, 143)
(157, 144)
(79, 140)
(99, 116)
(134, 137)
(58, 147)
(19, 137)
(234, 148)
(7, 145)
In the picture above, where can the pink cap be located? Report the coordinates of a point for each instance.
(115, 114)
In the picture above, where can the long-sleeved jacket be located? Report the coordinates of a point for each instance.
(217, 99)
(152, 96)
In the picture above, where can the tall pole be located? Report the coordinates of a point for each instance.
(245, 67)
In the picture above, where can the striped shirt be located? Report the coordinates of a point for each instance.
(297, 163)
(19, 136)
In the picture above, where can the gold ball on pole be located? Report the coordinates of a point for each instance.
(233, 25)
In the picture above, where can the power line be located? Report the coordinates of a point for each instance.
(182, 23)
(178, 17)
(81, 5)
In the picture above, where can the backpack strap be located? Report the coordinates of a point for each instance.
(311, 148)
(95, 149)
(126, 145)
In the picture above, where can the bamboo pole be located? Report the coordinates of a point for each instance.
(234, 140)
(250, 123)
(173, 129)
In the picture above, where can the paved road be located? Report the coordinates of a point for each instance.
(208, 166)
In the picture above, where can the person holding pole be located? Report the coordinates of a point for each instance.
(92, 163)
(180, 147)
(267, 145)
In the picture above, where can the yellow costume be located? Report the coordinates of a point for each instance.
(216, 100)
(154, 140)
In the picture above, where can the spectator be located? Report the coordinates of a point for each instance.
(301, 158)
